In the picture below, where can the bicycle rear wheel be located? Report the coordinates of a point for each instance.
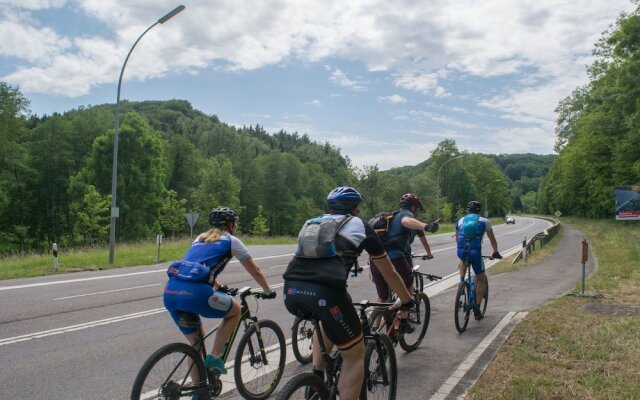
(259, 361)
(485, 298)
(380, 371)
(419, 322)
(305, 386)
(462, 308)
(302, 340)
(167, 374)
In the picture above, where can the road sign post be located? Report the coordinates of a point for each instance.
(192, 217)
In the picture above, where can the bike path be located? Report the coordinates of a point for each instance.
(455, 361)
(448, 363)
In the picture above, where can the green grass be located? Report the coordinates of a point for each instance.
(537, 255)
(560, 351)
(94, 258)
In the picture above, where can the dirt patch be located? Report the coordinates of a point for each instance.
(610, 309)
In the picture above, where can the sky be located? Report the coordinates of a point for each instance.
(384, 81)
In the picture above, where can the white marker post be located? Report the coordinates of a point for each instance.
(159, 242)
(54, 251)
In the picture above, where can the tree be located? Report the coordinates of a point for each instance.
(172, 213)
(259, 224)
(93, 216)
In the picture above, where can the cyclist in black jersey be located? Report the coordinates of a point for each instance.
(317, 285)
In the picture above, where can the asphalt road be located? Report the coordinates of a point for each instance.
(85, 335)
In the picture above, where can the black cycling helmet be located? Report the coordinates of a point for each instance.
(408, 200)
(222, 216)
(343, 198)
(473, 207)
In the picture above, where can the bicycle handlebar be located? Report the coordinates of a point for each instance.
(421, 256)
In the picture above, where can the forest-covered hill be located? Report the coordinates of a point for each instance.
(55, 174)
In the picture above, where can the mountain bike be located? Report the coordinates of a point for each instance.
(380, 374)
(466, 297)
(388, 321)
(177, 370)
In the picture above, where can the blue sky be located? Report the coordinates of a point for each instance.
(385, 81)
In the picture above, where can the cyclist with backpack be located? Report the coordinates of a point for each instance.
(397, 237)
(192, 290)
(315, 282)
(470, 230)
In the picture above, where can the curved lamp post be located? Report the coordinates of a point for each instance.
(486, 197)
(115, 212)
(438, 184)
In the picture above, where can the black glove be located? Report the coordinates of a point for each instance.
(496, 255)
(431, 227)
(428, 257)
(223, 288)
(269, 295)
(410, 305)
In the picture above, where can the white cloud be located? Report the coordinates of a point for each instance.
(340, 78)
(393, 99)
(315, 103)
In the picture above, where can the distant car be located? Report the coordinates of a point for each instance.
(511, 220)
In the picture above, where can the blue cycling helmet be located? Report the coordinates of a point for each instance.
(343, 198)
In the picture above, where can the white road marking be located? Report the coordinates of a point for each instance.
(93, 278)
(86, 325)
(107, 291)
(450, 384)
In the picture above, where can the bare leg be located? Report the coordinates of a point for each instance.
(318, 364)
(480, 285)
(195, 341)
(352, 373)
(226, 328)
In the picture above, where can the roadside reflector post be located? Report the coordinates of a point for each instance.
(585, 257)
(524, 249)
(159, 242)
(54, 251)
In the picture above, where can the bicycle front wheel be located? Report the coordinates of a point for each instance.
(462, 308)
(302, 340)
(170, 373)
(260, 360)
(305, 386)
(380, 370)
(418, 324)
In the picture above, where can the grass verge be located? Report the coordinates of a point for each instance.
(563, 351)
(537, 255)
(94, 258)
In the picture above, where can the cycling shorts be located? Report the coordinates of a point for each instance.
(187, 301)
(404, 269)
(330, 305)
(475, 255)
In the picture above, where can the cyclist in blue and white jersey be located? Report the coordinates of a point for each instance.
(470, 230)
(192, 289)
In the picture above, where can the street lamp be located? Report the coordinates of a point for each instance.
(438, 184)
(486, 197)
(115, 212)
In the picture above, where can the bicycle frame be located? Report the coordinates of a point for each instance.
(245, 319)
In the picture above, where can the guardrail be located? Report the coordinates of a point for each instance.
(542, 238)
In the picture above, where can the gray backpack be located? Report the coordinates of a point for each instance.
(317, 238)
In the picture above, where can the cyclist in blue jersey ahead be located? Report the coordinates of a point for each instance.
(315, 283)
(192, 289)
(470, 230)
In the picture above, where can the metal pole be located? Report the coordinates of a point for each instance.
(585, 256)
(486, 197)
(115, 212)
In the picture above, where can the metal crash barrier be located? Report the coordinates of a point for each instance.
(541, 239)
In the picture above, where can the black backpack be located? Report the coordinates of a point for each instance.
(381, 223)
